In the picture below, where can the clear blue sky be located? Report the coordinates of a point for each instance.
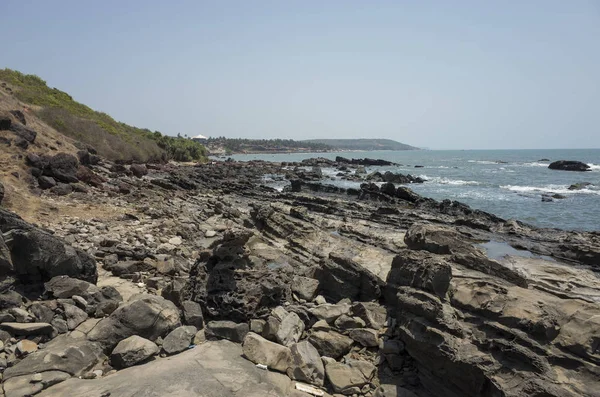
(439, 74)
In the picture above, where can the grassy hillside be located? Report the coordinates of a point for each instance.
(241, 145)
(363, 144)
(115, 140)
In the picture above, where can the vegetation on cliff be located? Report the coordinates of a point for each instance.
(240, 145)
(362, 144)
(112, 139)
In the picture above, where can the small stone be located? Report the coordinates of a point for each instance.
(257, 326)
(210, 233)
(320, 300)
(26, 346)
(179, 339)
(199, 338)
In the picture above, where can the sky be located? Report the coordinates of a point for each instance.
(436, 74)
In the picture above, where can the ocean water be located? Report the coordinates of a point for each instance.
(508, 183)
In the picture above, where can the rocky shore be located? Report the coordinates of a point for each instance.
(204, 281)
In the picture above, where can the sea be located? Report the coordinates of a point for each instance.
(507, 183)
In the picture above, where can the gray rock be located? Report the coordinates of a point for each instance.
(74, 315)
(192, 314)
(304, 287)
(257, 326)
(344, 322)
(329, 312)
(349, 378)
(27, 329)
(65, 354)
(46, 182)
(179, 339)
(42, 312)
(365, 336)
(330, 343)
(60, 325)
(27, 385)
(261, 351)
(132, 351)
(227, 330)
(391, 390)
(290, 330)
(148, 316)
(306, 364)
(373, 314)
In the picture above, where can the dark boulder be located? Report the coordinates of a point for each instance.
(567, 165)
(579, 185)
(23, 132)
(63, 166)
(19, 116)
(5, 122)
(88, 176)
(38, 256)
(46, 182)
(62, 189)
(139, 170)
(365, 161)
(1, 192)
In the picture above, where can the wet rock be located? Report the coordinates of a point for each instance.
(261, 351)
(148, 316)
(306, 364)
(179, 339)
(330, 343)
(579, 185)
(227, 330)
(568, 165)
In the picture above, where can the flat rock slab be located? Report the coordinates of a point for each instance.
(27, 328)
(214, 369)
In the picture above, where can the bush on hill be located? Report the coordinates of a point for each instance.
(112, 139)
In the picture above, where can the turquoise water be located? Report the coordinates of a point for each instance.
(508, 183)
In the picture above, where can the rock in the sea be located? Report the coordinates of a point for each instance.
(306, 364)
(227, 330)
(330, 343)
(261, 351)
(579, 185)
(148, 316)
(568, 165)
(132, 351)
(179, 339)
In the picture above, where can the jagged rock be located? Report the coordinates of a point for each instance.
(148, 316)
(306, 288)
(192, 314)
(330, 343)
(365, 336)
(73, 315)
(306, 364)
(568, 165)
(27, 134)
(73, 356)
(179, 339)
(290, 329)
(99, 301)
(227, 330)
(373, 314)
(132, 351)
(425, 271)
(42, 312)
(261, 351)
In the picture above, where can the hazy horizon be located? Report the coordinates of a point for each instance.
(460, 75)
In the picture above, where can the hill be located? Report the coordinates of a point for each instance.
(222, 145)
(363, 144)
(111, 139)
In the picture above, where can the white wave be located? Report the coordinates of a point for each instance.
(447, 181)
(560, 189)
(536, 164)
(483, 162)
(594, 167)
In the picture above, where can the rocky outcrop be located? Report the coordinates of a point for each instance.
(568, 165)
(131, 351)
(365, 161)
